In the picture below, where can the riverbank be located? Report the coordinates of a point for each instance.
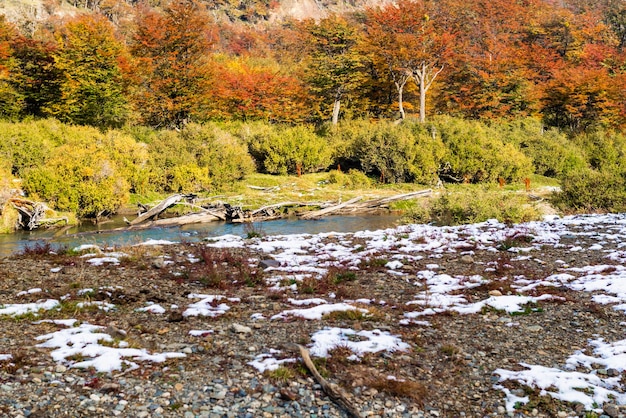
(412, 321)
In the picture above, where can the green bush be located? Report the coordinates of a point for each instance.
(282, 149)
(396, 153)
(603, 150)
(478, 153)
(83, 170)
(198, 158)
(28, 144)
(476, 204)
(592, 190)
(551, 151)
(79, 178)
(352, 180)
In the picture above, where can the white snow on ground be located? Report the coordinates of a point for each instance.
(5, 357)
(317, 312)
(152, 308)
(302, 256)
(155, 242)
(207, 305)
(359, 343)
(200, 332)
(267, 361)
(103, 306)
(29, 291)
(16, 309)
(83, 341)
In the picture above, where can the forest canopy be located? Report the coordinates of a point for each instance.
(177, 63)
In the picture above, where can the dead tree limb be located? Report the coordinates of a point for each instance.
(333, 391)
(158, 209)
(332, 209)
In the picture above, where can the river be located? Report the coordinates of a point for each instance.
(88, 233)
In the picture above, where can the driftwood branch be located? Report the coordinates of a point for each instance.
(332, 209)
(279, 205)
(333, 391)
(264, 189)
(154, 212)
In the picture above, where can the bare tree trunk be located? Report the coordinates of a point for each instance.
(400, 87)
(336, 108)
(422, 101)
(424, 78)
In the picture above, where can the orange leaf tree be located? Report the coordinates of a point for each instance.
(410, 40)
(172, 66)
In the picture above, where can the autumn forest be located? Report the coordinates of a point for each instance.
(166, 66)
(452, 90)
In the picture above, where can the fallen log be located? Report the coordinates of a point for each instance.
(192, 218)
(329, 210)
(377, 203)
(158, 209)
(264, 189)
(333, 391)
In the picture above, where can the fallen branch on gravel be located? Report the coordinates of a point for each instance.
(333, 391)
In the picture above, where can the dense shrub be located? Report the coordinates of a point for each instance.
(84, 170)
(28, 144)
(353, 179)
(550, 150)
(476, 204)
(282, 149)
(394, 153)
(603, 150)
(591, 190)
(79, 178)
(198, 158)
(477, 153)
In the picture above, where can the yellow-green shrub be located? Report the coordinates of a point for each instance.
(197, 158)
(353, 179)
(477, 153)
(79, 178)
(476, 204)
(395, 153)
(551, 151)
(590, 190)
(282, 149)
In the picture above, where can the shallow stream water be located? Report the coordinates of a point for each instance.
(88, 233)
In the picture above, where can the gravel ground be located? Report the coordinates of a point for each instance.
(446, 372)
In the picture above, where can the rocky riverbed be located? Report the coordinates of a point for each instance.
(416, 321)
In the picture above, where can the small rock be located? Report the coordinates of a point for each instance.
(467, 259)
(240, 329)
(611, 410)
(60, 369)
(115, 332)
(495, 293)
(612, 372)
(535, 328)
(175, 316)
(288, 395)
(158, 262)
(110, 387)
(268, 263)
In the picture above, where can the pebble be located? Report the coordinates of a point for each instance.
(240, 329)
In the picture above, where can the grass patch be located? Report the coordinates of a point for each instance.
(409, 389)
(472, 204)
(222, 269)
(281, 374)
